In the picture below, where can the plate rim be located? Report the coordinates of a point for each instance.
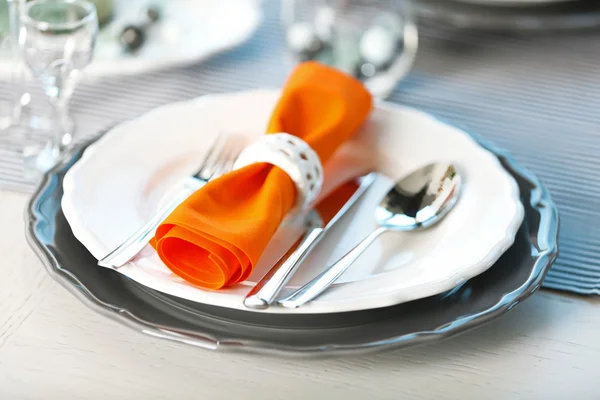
(540, 201)
(503, 240)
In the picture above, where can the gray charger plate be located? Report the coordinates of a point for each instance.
(516, 275)
(551, 16)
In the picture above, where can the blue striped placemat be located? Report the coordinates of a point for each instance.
(537, 96)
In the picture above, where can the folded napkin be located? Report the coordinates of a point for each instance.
(216, 236)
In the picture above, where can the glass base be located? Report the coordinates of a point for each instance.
(32, 137)
(9, 115)
(69, 127)
(38, 159)
(16, 117)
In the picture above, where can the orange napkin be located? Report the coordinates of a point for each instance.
(216, 236)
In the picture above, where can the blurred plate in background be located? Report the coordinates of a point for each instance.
(515, 2)
(511, 15)
(188, 31)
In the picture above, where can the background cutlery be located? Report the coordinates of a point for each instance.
(218, 161)
(267, 289)
(417, 201)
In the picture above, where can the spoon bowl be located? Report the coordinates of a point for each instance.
(420, 199)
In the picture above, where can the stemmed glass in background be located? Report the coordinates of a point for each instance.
(17, 98)
(57, 39)
(374, 40)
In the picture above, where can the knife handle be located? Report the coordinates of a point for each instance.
(264, 293)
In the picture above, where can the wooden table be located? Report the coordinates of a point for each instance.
(54, 347)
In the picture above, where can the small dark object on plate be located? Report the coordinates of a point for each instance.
(133, 36)
(153, 14)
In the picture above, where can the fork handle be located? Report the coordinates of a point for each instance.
(264, 293)
(140, 238)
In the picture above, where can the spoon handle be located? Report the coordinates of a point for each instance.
(321, 282)
(264, 293)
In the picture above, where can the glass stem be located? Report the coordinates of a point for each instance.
(62, 132)
(15, 8)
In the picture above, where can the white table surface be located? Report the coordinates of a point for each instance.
(53, 347)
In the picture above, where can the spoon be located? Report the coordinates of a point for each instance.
(417, 201)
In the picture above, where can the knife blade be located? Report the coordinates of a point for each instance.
(328, 212)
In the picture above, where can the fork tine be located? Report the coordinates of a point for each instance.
(207, 161)
(229, 160)
(206, 169)
(234, 155)
(221, 165)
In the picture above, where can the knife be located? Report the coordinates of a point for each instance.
(329, 211)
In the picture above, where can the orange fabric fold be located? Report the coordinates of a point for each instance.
(216, 236)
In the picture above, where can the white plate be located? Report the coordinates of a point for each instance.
(189, 31)
(122, 177)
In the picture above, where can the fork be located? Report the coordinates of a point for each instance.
(218, 161)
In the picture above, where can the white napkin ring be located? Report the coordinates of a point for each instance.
(295, 157)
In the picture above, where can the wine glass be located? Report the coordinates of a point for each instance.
(374, 40)
(58, 38)
(17, 98)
